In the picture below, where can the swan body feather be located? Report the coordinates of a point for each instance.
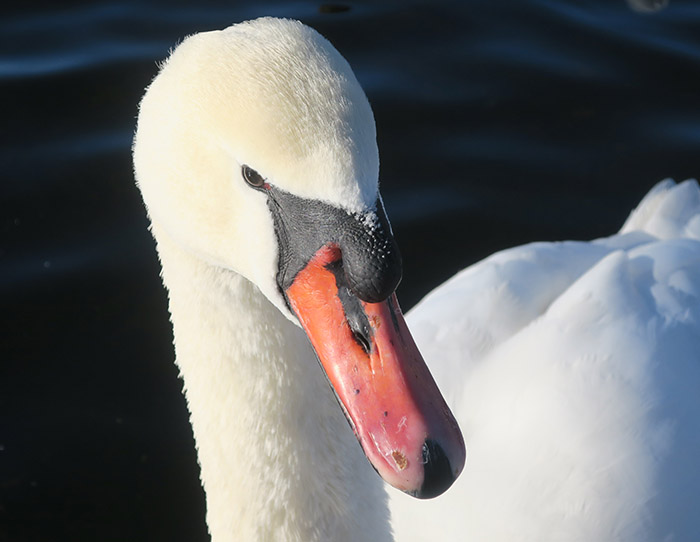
(573, 369)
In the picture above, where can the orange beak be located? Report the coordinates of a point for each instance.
(387, 393)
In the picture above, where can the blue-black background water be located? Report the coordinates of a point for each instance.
(498, 123)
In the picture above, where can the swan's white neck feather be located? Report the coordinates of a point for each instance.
(278, 461)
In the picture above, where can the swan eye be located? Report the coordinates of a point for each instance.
(252, 177)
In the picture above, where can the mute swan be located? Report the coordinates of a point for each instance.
(572, 367)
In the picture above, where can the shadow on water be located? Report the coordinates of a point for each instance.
(498, 124)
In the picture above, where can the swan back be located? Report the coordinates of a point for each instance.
(573, 369)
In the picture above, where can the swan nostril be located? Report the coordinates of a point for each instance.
(360, 334)
(438, 475)
(362, 338)
(355, 314)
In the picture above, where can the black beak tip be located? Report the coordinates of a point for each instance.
(438, 472)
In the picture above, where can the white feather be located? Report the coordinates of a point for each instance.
(574, 371)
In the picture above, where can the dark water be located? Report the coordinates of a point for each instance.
(499, 123)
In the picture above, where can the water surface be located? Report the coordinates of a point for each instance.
(498, 123)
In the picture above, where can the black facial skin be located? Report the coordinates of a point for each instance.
(371, 259)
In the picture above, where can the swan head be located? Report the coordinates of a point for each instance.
(256, 152)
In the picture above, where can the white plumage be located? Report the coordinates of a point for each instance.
(573, 368)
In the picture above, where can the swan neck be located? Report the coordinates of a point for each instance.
(278, 460)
